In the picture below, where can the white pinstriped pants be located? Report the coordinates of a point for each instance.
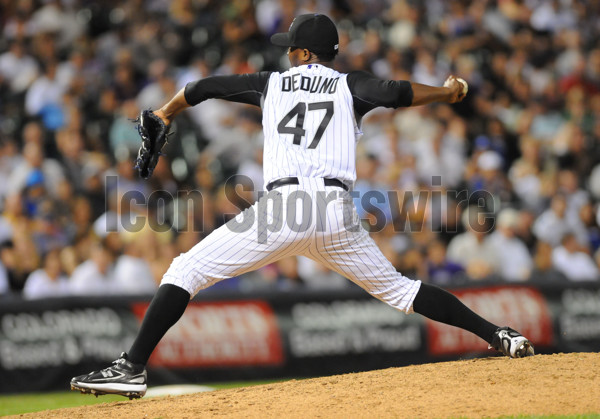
(321, 230)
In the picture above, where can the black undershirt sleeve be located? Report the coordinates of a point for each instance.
(370, 92)
(243, 88)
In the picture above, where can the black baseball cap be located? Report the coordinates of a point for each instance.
(317, 33)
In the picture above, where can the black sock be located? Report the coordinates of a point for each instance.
(439, 305)
(164, 311)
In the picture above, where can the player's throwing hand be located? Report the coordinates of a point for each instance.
(458, 87)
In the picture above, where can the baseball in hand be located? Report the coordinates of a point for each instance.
(461, 81)
(464, 85)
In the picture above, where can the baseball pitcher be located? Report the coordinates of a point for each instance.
(312, 121)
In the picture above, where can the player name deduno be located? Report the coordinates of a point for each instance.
(318, 84)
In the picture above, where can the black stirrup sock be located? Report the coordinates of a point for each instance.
(439, 305)
(164, 311)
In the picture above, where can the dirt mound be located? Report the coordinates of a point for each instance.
(558, 384)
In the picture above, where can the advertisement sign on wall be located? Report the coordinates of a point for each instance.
(347, 327)
(220, 334)
(523, 308)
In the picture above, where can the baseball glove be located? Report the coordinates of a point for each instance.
(154, 135)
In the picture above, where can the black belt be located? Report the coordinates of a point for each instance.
(294, 181)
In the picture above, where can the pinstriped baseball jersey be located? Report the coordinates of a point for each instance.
(310, 115)
(309, 125)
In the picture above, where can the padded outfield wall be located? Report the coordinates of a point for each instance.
(230, 336)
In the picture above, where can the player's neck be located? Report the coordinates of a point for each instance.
(316, 61)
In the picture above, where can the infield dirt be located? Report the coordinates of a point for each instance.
(559, 384)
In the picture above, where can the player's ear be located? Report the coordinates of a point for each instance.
(305, 55)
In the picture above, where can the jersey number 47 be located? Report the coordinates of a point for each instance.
(299, 111)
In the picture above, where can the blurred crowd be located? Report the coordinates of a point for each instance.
(504, 186)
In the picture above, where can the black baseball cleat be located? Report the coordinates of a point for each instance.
(511, 343)
(123, 377)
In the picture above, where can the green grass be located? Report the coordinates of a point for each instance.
(16, 404)
(25, 403)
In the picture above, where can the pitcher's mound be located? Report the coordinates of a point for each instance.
(561, 384)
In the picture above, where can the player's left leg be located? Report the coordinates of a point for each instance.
(363, 263)
(351, 252)
(439, 305)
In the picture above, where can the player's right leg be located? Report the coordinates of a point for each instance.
(127, 375)
(253, 239)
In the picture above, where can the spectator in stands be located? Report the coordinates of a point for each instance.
(544, 269)
(81, 217)
(440, 155)
(575, 264)
(525, 174)
(125, 84)
(19, 258)
(132, 274)
(48, 281)
(34, 132)
(157, 248)
(469, 250)
(69, 260)
(487, 181)
(45, 98)
(441, 271)
(34, 192)
(73, 157)
(512, 260)
(34, 160)
(568, 184)
(552, 225)
(94, 276)
(17, 68)
(523, 231)
(47, 229)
